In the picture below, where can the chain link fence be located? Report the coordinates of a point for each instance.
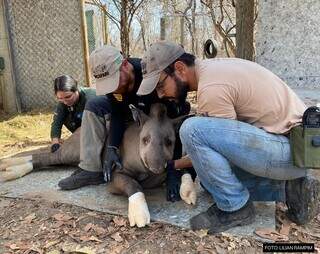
(96, 26)
(46, 42)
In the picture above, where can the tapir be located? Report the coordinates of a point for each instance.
(147, 145)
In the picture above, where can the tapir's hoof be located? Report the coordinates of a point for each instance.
(8, 162)
(188, 191)
(4, 164)
(138, 211)
(14, 172)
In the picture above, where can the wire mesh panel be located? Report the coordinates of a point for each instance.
(46, 42)
(90, 30)
(95, 26)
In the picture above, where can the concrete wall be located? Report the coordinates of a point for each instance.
(46, 41)
(7, 85)
(288, 40)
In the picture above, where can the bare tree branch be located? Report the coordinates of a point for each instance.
(137, 6)
(255, 11)
(117, 5)
(218, 24)
(101, 6)
(228, 15)
(229, 30)
(221, 12)
(133, 11)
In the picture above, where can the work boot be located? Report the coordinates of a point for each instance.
(81, 178)
(216, 220)
(302, 198)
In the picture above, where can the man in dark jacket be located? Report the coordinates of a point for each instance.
(105, 119)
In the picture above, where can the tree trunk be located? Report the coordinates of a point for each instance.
(182, 30)
(143, 35)
(194, 32)
(245, 29)
(162, 28)
(124, 28)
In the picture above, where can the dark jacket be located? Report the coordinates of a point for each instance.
(70, 117)
(121, 114)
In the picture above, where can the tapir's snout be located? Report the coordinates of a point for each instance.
(155, 166)
(156, 144)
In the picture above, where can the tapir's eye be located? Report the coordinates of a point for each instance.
(168, 142)
(146, 140)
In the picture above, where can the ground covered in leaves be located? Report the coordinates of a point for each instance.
(39, 226)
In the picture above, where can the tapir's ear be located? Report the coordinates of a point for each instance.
(177, 122)
(138, 115)
(158, 111)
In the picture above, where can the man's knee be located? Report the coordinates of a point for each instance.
(188, 129)
(99, 105)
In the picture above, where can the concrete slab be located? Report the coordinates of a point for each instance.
(43, 184)
(310, 96)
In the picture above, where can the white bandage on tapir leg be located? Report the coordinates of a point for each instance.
(188, 191)
(8, 162)
(16, 171)
(138, 211)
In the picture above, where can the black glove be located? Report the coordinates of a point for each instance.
(173, 182)
(174, 109)
(184, 108)
(55, 147)
(111, 163)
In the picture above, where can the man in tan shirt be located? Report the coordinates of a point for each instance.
(245, 113)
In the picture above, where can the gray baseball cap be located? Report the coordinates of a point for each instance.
(105, 63)
(158, 57)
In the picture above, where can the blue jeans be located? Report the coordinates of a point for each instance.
(234, 160)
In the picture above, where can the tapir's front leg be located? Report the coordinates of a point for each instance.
(154, 181)
(138, 212)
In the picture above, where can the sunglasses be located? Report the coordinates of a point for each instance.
(160, 84)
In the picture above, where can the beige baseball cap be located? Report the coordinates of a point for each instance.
(105, 63)
(158, 57)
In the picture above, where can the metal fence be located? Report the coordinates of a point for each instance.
(46, 42)
(96, 26)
